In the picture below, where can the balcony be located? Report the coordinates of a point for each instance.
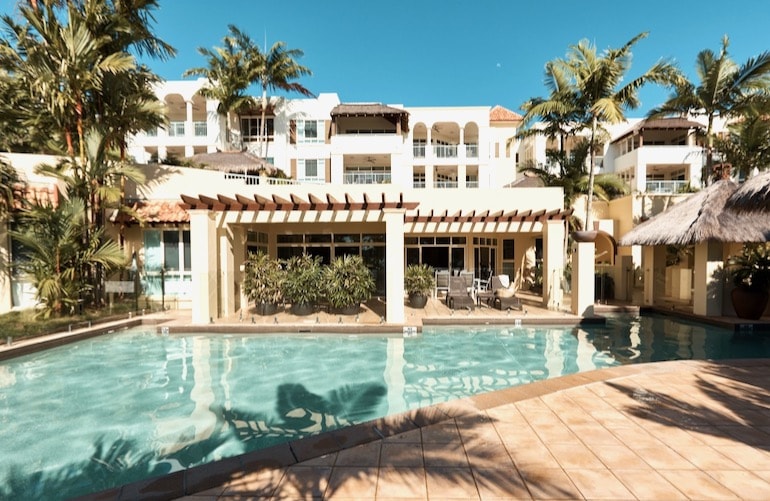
(445, 150)
(667, 187)
(445, 184)
(418, 150)
(366, 178)
(201, 129)
(471, 151)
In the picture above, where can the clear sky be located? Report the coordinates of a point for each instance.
(457, 53)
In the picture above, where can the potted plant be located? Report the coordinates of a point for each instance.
(419, 281)
(303, 284)
(750, 271)
(263, 282)
(347, 283)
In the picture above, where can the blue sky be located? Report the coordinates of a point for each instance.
(458, 53)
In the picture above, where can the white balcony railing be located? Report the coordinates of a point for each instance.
(418, 150)
(366, 178)
(201, 129)
(445, 184)
(445, 150)
(666, 186)
(471, 150)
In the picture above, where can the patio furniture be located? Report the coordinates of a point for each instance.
(442, 282)
(458, 295)
(487, 296)
(504, 298)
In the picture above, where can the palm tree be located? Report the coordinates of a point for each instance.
(62, 63)
(573, 177)
(54, 255)
(591, 94)
(229, 74)
(723, 90)
(747, 144)
(278, 72)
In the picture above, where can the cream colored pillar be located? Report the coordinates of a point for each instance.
(708, 287)
(6, 296)
(461, 176)
(583, 278)
(654, 265)
(228, 269)
(203, 256)
(553, 263)
(189, 130)
(394, 257)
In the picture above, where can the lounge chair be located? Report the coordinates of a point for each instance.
(458, 295)
(504, 298)
(486, 296)
(442, 282)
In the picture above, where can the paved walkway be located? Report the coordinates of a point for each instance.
(671, 430)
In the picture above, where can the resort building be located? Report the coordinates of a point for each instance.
(396, 185)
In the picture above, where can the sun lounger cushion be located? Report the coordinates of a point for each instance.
(505, 292)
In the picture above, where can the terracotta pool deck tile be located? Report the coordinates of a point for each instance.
(407, 437)
(705, 457)
(303, 482)
(450, 455)
(648, 485)
(401, 455)
(257, 484)
(619, 457)
(500, 483)
(663, 458)
(489, 456)
(746, 456)
(574, 456)
(533, 455)
(365, 455)
(698, 485)
(595, 434)
(598, 484)
(450, 483)
(747, 485)
(352, 483)
(402, 483)
(546, 483)
(441, 433)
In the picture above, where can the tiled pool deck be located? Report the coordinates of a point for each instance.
(669, 430)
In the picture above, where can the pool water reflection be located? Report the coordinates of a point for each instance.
(117, 408)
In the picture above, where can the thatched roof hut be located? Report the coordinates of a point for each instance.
(702, 217)
(752, 195)
(241, 162)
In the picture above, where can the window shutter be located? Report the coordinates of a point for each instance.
(292, 132)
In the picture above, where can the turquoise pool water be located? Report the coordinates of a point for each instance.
(117, 408)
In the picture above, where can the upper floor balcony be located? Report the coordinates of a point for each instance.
(175, 134)
(370, 143)
(667, 187)
(640, 157)
(446, 151)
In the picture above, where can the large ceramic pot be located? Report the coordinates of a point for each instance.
(417, 300)
(350, 309)
(302, 309)
(267, 308)
(749, 304)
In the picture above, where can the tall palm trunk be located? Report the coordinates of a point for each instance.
(592, 157)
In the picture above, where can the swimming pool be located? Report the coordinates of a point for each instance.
(118, 408)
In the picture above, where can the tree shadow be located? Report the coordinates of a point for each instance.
(731, 402)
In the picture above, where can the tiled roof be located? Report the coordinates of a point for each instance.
(36, 195)
(155, 212)
(500, 114)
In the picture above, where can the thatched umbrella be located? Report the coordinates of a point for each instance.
(702, 217)
(241, 162)
(752, 195)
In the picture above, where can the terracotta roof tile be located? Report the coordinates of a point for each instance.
(156, 212)
(500, 114)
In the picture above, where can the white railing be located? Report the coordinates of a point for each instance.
(471, 150)
(445, 150)
(201, 129)
(445, 184)
(264, 180)
(666, 186)
(418, 150)
(366, 178)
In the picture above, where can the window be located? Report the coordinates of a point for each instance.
(167, 263)
(201, 129)
(251, 130)
(310, 170)
(307, 131)
(176, 129)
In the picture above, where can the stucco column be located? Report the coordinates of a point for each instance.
(708, 285)
(461, 176)
(203, 257)
(553, 263)
(394, 257)
(583, 264)
(6, 295)
(228, 269)
(654, 265)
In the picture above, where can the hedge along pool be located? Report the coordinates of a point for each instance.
(121, 407)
